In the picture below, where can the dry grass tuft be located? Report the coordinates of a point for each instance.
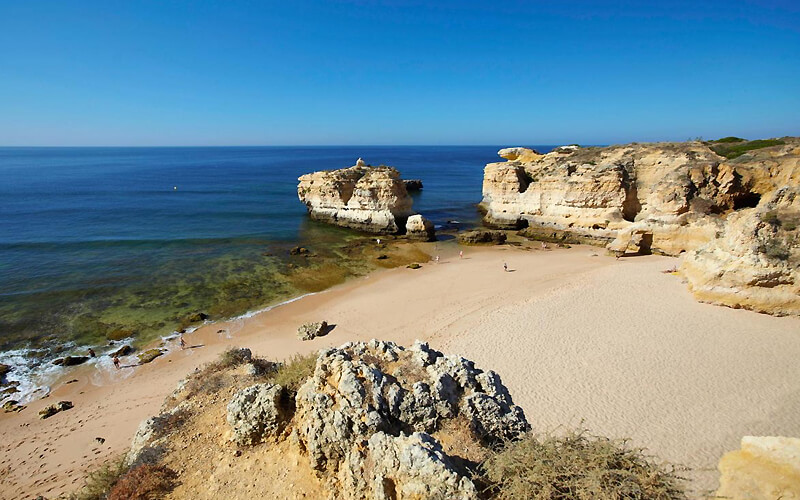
(144, 482)
(99, 483)
(295, 371)
(578, 466)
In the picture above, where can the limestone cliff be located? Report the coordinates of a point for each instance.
(736, 219)
(764, 467)
(370, 199)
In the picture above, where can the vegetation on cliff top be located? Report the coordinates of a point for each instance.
(734, 147)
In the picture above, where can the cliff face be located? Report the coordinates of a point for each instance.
(370, 199)
(735, 219)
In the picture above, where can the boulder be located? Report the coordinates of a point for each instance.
(149, 355)
(420, 228)
(476, 236)
(71, 360)
(370, 199)
(631, 242)
(764, 467)
(4, 369)
(310, 331)
(299, 251)
(122, 351)
(368, 415)
(11, 406)
(413, 184)
(257, 413)
(51, 410)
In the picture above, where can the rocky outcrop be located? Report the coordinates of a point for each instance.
(153, 434)
(367, 414)
(370, 199)
(310, 331)
(736, 220)
(51, 410)
(257, 413)
(71, 360)
(413, 184)
(420, 228)
(764, 467)
(476, 236)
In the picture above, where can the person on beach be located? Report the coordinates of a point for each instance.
(437, 259)
(91, 353)
(116, 362)
(183, 343)
(544, 246)
(505, 266)
(461, 254)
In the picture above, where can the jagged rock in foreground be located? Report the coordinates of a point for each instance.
(370, 199)
(736, 219)
(368, 413)
(256, 413)
(764, 467)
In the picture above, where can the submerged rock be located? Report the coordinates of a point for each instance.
(299, 251)
(311, 331)
(420, 228)
(413, 184)
(71, 360)
(51, 410)
(122, 351)
(149, 355)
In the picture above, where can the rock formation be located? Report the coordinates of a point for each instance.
(310, 331)
(370, 199)
(736, 219)
(368, 414)
(764, 467)
(420, 228)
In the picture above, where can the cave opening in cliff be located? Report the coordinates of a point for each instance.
(631, 206)
(524, 179)
(746, 200)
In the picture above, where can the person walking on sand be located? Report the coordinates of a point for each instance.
(183, 343)
(505, 266)
(461, 254)
(437, 259)
(116, 362)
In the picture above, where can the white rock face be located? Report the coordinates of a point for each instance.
(256, 414)
(420, 228)
(366, 415)
(370, 199)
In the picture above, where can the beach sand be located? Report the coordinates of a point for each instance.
(580, 339)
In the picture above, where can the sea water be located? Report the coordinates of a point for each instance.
(122, 243)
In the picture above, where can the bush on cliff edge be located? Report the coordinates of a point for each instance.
(577, 466)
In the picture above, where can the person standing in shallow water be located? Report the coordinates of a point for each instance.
(116, 362)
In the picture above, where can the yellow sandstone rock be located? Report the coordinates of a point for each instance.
(764, 468)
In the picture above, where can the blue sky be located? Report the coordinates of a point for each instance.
(395, 72)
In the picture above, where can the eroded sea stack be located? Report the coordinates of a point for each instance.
(370, 199)
(736, 219)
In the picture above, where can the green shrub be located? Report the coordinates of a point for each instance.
(729, 139)
(577, 466)
(733, 150)
(775, 249)
(771, 217)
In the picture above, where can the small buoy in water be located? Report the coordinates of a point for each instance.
(174, 188)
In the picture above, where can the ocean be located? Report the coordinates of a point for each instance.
(101, 245)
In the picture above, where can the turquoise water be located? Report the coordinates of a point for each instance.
(111, 243)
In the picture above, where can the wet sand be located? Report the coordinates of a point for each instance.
(579, 338)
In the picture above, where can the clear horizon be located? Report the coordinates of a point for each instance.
(359, 73)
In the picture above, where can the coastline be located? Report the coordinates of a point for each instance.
(577, 337)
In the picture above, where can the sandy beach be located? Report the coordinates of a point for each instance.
(579, 338)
